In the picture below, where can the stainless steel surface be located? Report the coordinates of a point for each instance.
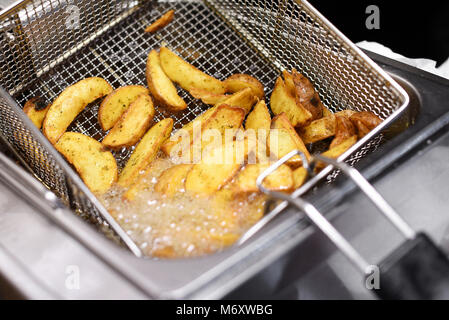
(257, 37)
(38, 259)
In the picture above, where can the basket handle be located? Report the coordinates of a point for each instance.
(417, 269)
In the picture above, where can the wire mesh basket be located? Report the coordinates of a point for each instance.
(47, 45)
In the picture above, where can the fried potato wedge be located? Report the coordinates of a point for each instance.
(243, 99)
(283, 139)
(337, 151)
(215, 170)
(145, 152)
(224, 118)
(238, 82)
(70, 103)
(365, 121)
(36, 111)
(132, 125)
(259, 118)
(344, 129)
(318, 130)
(208, 97)
(143, 183)
(299, 177)
(307, 95)
(186, 75)
(172, 180)
(345, 113)
(95, 165)
(327, 112)
(164, 20)
(116, 103)
(161, 87)
(283, 102)
(280, 180)
(212, 131)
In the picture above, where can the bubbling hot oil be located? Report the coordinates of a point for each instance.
(184, 225)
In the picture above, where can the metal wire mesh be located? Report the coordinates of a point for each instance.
(41, 56)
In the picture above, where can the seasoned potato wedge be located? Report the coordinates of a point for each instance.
(145, 152)
(172, 180)
(238, 82)
(243, 99)
(224, 118)
(280, 180)
(36, 111)
(132, 125)
(206, 179)
(161, 87)
(186, 75)
(95, 165)
(70, 103)
(282, 102)
(345, 113)
(208, 97)
(344, 129)
(365, 121)
(259, 118)
(318, 130)
(161, 22)
(337, 151)
(307, 95)
(214, 170)
(327, 112)
(299, 177)
(284, 139)
(116, 103)
(212, 131)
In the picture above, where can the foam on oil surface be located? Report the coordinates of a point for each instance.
(185, 225)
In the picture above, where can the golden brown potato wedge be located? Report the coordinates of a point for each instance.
(238, 82)
(345, 113)
(365, 121)
(284, 139)
(280, 180)
(327, 112)
(344, 129)
(186, 75)
(299, 177)
(145, 152)
(318, 130)
(161, 87)
(224, 118)
(132, 125)
(215, 169)
(283, 102)
(36, 111)
(337, 151)
(307, 95)
(70, 103)
(243, 99)
(116, 103)
(165, 19)
(208, 97)
(259, 118)
(95, 165)
(172, 180)
(212, 132)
